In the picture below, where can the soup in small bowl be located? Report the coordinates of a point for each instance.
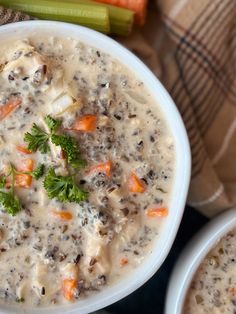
(213, 288)
(205, 273)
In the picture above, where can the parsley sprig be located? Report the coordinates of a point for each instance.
(52, 123)
(64, 188)
(2, 182)
(36, 174)
(38, 140)
(69, 146)
(9, 201)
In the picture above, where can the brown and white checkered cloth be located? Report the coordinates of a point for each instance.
(193, 52)
(10, 16)
(191, 46)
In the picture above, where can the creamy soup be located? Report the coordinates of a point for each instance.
(213, 289)
(86, 162)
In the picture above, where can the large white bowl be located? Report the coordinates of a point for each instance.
(192, 256)
(181, 181)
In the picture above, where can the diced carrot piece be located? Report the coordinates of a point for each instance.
(63, 215)
(26, 165)
(85, 123)
(23, 150)
(24, 180)
(135, 185)
(138, 6)
(124, 261)
(8, 107)
(232, 291)
(69, 288)
(104, 168)
(157, 212)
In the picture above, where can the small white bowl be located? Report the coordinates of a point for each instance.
(192, 256)
(152, 262)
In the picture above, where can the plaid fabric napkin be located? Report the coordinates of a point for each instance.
(10, 16)
(190, 46)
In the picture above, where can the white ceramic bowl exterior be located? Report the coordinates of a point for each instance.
(192, 256)
(180, 186)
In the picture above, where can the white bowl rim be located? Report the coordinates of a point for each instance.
(183, 155)
(192, 256)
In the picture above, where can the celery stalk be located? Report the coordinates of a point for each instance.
(90, 15)
(121, 20)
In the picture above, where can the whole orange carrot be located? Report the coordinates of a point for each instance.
(138, 6)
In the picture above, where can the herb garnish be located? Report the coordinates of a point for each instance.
(69, 146)
(38, 140)
(8, 200)
(2, 182)
(38, 172)
(64, 188)
(52, 123)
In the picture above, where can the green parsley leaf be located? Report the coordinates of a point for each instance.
(20, 300)
(37, 139)
(10, 203)
(69, 146)
(2, 182)
(63, 188)
(52, 123)
(38, 172)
